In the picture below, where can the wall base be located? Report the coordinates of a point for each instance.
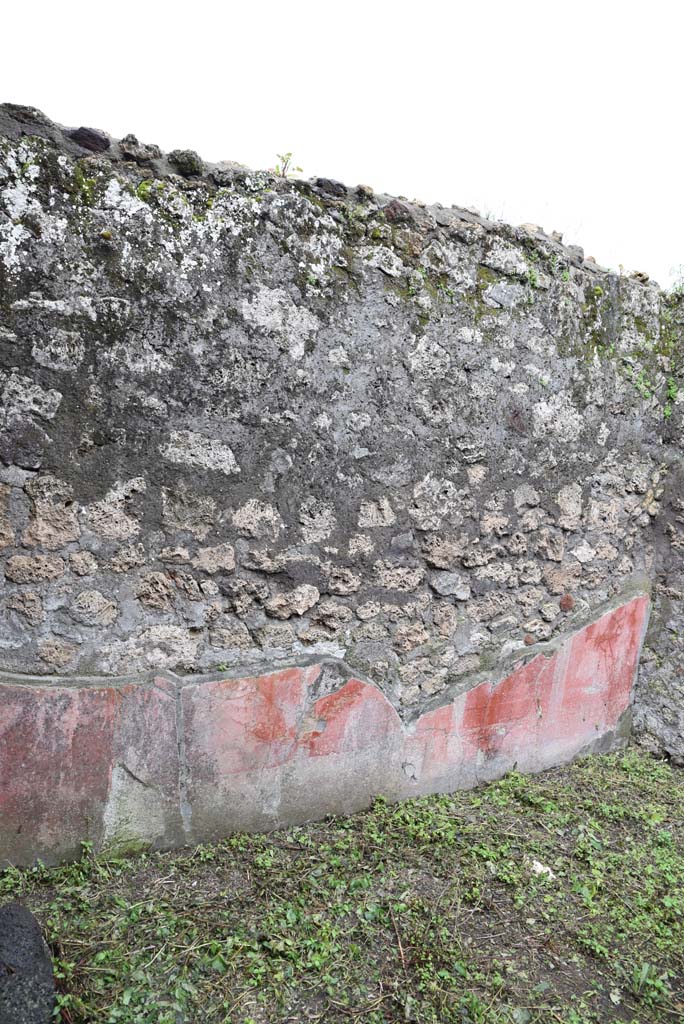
(170, 761)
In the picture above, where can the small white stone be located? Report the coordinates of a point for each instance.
(584, 552)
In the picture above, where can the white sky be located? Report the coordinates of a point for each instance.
(568, 115)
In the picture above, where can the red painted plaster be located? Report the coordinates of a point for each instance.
(355, 717)
(265, 749)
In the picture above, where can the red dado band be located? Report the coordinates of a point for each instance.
(175, 761)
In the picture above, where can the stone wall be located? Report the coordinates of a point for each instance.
(249, 424)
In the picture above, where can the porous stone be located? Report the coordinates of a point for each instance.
(183, 511)
(156, 590)
(60, 350)
(83, 563)
(139, 152)
(54, 522)
(450, 584)
(570, 505)
(584, 552)
(444, 553)
(398, 577)
(90, 139)
(257, 519)
(231, 634)
(376, 513)
(296, 602)
(192, 449)
(549, 544)
(29, 605)
(34, 568)
(126, 558)
(57, 654)
(92, 608)
(186, 162)
(110, 517)
(333, 615)
(217, 559)
(317, 520)
(341, 579)
(6, 527)
(411, 635)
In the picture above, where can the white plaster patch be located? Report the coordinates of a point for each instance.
(160, 646)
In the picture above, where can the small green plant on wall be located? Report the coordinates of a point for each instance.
(284, 167)
(671, 396)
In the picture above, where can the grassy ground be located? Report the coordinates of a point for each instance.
(553, 899)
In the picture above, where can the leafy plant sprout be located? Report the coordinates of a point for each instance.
(285, 168)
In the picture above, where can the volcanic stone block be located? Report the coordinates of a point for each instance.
(27, 987)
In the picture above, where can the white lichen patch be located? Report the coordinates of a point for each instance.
(122, 204)
(21, 394)
(272, 311)
(381, 258)
(60, 350)
(142, 358)
(19, 204)
(504, 295)
(505, 258)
